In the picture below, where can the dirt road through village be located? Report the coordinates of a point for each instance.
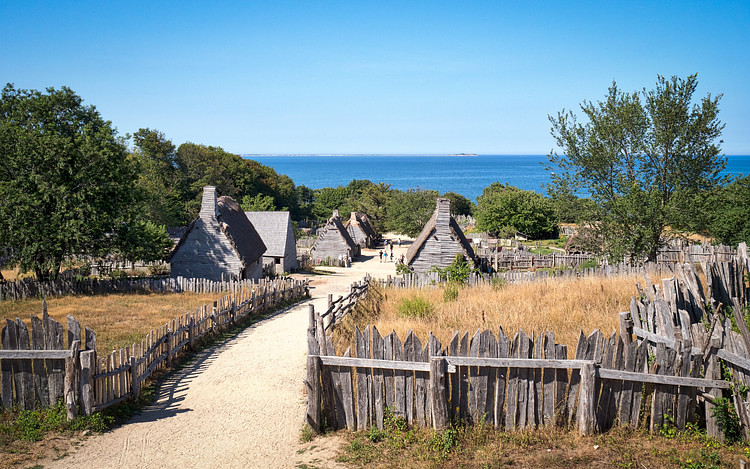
(238, 404)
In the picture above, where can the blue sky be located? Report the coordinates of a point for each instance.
(379, 77)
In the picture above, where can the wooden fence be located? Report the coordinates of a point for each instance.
(26, 288)
(432, 279)
(524, 260)
(526, 382)
(42, 371)
(338, 308)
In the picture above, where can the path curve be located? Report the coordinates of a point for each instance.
(238, 404)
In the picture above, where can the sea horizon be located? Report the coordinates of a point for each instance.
(465, 174)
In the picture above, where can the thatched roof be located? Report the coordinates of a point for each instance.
(273, 228)
(360, 219)
(442, 212)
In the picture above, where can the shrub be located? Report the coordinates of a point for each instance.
(450, 292)
(416, 307)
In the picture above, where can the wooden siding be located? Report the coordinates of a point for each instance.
(207, 253)
(438, 250)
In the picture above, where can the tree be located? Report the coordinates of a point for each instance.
(502, 206)
(729, 212)
(66, 183)
(644, 157)
(408, 212)
(460, 205)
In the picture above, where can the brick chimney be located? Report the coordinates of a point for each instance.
(208, 204)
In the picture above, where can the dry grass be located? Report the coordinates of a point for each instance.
(562, 306)
(118, 320)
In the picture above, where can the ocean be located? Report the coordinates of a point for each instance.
(465, 175)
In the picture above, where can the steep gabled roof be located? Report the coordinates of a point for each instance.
(360, 219)
(442, 210)
(273, 229)
(241, 233)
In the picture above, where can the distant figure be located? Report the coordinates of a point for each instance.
(380, 253)
(401, 259)
(348, 261)
(391, 253)
(399, 242)
(341, 260)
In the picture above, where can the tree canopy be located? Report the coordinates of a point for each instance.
(66, 183)
(644, 157)
(504, 208)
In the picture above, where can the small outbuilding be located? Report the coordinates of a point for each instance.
(275, 229)
(439, 242)
(333, 242)
(360, 230)
(220, 244)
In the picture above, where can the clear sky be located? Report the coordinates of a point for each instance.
(372, 76)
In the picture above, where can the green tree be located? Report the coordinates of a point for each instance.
(408, 212)
(257, 203)
(460, 205)
(373, 201)
(502, 206)
(66, 183)
(644, 157)
(161, 178)
(729, 212)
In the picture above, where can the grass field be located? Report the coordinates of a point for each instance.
(118, 320)
(561, 306)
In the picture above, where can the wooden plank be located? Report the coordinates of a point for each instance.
(525, 350)
(657, 401)
(410, 354)
(501, 374)
(605, 387)
(548, 381)
(8, 366)
(347, 394)
(55, 367)
(453, 379)
(473, 379)
(511, 412)
(575, 378)
(87, 381)
(314, 388)
(683, 396)
(421, 383)
(586, 411)
(71, 365)
(489, 398)
(463, 373)
(438, 393)
(378, 353)
(390, 386)
(26, 371)
(626, 397)
(399, 379)
(363, 414)
(482, 380)
(561, 385)
(41, 385)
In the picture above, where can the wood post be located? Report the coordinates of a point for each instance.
(191, 332)
(69, 385)
(135, 383)
(313, 393)
(438, 393)
(170, 335)
(87, 381)
(586, 413)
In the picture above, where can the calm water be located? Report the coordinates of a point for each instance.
(465, 175)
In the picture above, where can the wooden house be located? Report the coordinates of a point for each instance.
(439, 242)
(275, 229)
(333, 241)
(360, 230)
(220, 244)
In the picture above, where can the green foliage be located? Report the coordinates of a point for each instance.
(460, 205)
(66, 183)
(444, 442)
(450, 292)
(728, 210)
(727, 418)
(417, 307)
(457, 272)
(498, 283)
(501, 206)
(33, 425)
(257, 203)
(402, 269)
(408, 212)
(644, 158)
(143, 241)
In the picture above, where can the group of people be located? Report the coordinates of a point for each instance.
(384, 254)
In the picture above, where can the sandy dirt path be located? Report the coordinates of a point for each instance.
(238, 404)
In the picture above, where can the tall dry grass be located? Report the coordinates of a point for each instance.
(118, 320)
(561, 306)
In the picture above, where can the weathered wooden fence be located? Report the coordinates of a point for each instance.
(526, 382)
(42, 371)
(339, 307)
(433, 279)
(26, 288)
(524, 260)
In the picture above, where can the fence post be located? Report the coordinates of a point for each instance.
(191, 332)
(438, 393)
(213, 317)
(135, 384)
(169, 347)
(87, 381)
(70, 382)
(313, 392)
(233, 312)
(586, 413)
(626, 328)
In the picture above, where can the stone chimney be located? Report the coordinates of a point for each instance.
(335, 214)
(354, 217)
(208, 204)
(443, 208)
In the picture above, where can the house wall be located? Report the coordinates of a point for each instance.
(441, 247)
(358, 235)
(207, 253)
(331, 244)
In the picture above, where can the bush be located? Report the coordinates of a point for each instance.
(416, 307)
(450, 292)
